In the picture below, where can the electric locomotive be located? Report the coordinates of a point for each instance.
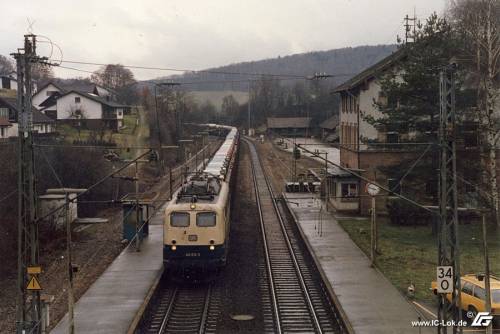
(197, 219)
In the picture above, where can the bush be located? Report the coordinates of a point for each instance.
(403, 213)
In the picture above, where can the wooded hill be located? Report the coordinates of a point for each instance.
(344, 63)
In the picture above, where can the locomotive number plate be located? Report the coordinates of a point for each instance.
(193, 237)
(192, 254)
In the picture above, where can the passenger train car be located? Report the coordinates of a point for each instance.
(197, 219)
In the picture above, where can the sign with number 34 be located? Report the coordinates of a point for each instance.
(445, 279)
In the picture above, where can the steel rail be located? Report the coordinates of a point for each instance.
(205, 310)
(178, 300)
(169, 311)
(292, 253)
(266, 252)
(296, 265)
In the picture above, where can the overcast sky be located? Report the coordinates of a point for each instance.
(197, 34)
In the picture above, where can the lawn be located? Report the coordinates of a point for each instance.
(409, 254)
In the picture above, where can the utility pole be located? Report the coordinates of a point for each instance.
(327, 190)
(410, 28)
(71, 297)
(177, 120)
(448, 245)
(487, 285)
(158, 129)
(248, 106)
(315, 77)
(28, 308)
(137, 209)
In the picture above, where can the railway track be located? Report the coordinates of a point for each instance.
(183, 309)
(295, 297)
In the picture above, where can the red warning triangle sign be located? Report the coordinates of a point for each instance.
(33, 284)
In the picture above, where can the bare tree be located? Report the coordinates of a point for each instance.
(41, 73)
(78, 115)
(479, 23)
(6, 65)
(230, 108)
(118, 78)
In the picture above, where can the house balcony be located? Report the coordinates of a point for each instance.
(109, 115)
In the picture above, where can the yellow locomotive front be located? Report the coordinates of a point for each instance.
(197, 219)
(195, 228)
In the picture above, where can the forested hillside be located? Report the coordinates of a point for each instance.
(343, 62)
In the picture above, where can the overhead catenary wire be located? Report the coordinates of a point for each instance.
(263, 78)
(94, 185)
(415, 163)
(58, 179)
(185, 70)
(8, 195)
(367, 180)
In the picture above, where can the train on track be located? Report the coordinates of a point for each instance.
(198, 218)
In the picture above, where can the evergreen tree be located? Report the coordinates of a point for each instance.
(410, 93)
(409, 105)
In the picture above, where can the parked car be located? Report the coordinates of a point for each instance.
(474, 294)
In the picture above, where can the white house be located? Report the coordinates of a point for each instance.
(45, 92)
(42, 125)
(89, 110)
(8, 81)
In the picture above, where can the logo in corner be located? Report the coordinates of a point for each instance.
(482, 319)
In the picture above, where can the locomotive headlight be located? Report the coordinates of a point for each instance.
(193, 206)
(212, 247)
(174, 247)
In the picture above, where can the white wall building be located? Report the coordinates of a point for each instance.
(90, 109)
(44, 93)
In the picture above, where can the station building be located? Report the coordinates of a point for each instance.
(289, 126)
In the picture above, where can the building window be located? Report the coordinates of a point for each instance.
(51, 92)
(393, 184)
(431, 187)
(382, 99)
(354, 136)
(2, 132)
(77, 99)
(6, 83)
(4, 112)
(392, 137)
(349, 189)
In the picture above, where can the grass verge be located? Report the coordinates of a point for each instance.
(408, 254)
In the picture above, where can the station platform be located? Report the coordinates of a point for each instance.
(115, 299)
(367, 299)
